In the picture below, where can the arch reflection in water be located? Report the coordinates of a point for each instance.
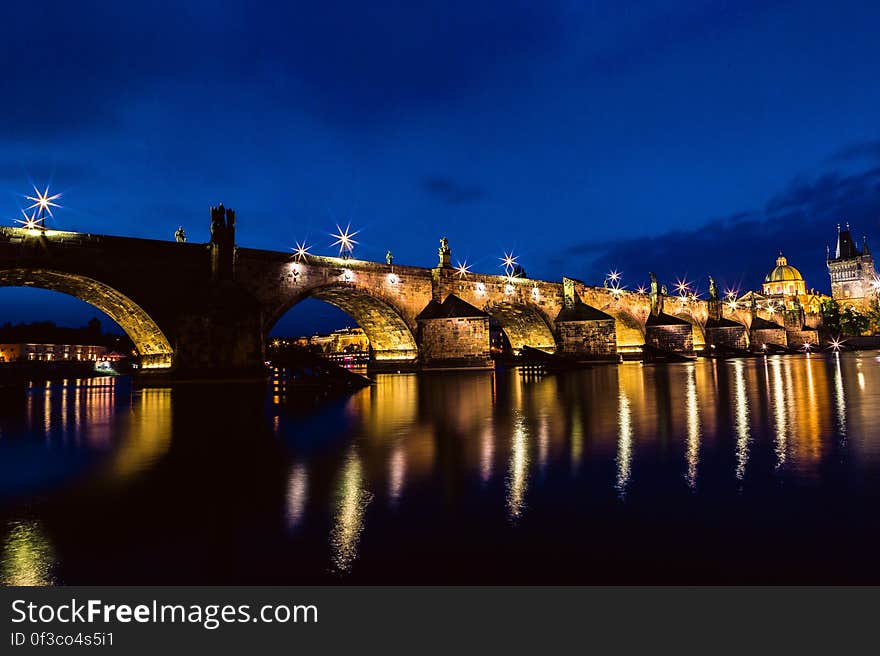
(28, 557)
(351, 506)
(147, 435)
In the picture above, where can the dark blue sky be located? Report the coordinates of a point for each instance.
(685, 138)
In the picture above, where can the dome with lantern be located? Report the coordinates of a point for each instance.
(784, 279)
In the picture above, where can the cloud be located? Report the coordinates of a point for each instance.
(866, 150)
(629, 40)
(451, 192)
(70, 67)
(740, 248)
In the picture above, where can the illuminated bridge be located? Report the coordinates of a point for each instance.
(205, 310)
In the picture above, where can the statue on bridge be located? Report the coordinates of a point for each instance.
(389, 258)
(445, 254)
(656, 295)
(180, 235)
(713, 289)
(715, 310)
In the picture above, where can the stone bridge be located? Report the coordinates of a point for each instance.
(205, 310)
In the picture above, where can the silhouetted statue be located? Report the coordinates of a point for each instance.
(180, 235)
(389, 258)
(222, 242)
(444, 253)
(656, 295)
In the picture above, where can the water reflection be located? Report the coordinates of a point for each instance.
(780, 412)
(351, 505)
(624, 443)
(487, 451)
(297, 494)
(28, 557)
(517, 475)
(840, 397)
(693, 427)
(471, 454)
(396, 474)
(741, 404)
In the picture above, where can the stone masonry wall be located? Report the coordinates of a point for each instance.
(768, 336)
(678, 338)
(731, 336)
(797, 338)
(589, 338)
(455, 342)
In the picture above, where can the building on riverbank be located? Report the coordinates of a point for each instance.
(854, 281)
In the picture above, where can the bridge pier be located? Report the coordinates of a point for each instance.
(453, 335)
(670, 334)
(582, 331)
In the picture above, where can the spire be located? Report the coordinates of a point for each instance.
(865, 249)
(846, 248)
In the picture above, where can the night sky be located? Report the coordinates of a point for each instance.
(685, 138)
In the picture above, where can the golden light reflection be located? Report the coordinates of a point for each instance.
(543, 442)
(487, 451)
(741, 404)
(779, 413)
(693, 427)
(297, 494)
(147, 436)
(624, 443)
(839, 398)
(396, 474)
(351, 505)
(28, 557)
(517, 477)
(577, 438)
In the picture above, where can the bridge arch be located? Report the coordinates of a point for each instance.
(150, 341)
(628, 327)
(391, 336)
(698, 326)
(523, 324)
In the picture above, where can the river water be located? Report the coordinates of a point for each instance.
(756, 470)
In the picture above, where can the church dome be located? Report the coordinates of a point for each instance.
(783, 272)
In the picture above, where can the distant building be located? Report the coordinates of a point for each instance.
(784, 280)
(43, 341)
(853, 279)
(55, 352)
(344, 340)
(784, 288)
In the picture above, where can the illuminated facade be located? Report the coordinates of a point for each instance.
(54, 352)
(784, 288)
(344, 340)
(784, 280)
(853, 279)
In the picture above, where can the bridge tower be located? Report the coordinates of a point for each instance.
(222, 243)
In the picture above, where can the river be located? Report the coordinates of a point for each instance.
(762, 470)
